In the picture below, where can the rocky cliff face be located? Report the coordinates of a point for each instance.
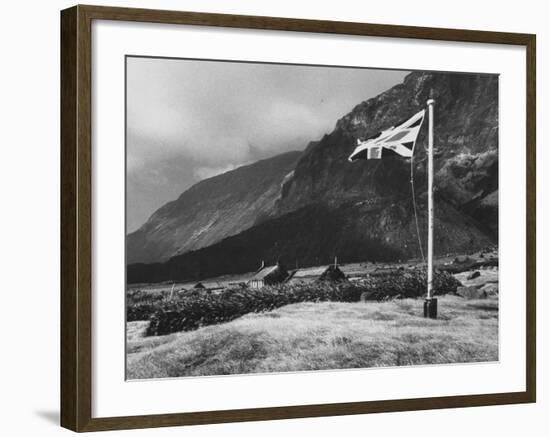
(466, 124)
(466, 164)
(211, 210)
(362, 210)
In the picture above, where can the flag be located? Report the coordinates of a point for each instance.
(398, 139)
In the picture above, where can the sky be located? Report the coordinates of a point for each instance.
(188, 120)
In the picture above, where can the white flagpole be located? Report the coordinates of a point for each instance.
(431, 304)
(430, 196)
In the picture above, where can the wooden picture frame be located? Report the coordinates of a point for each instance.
(76, 217)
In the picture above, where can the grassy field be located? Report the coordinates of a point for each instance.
(324, 335)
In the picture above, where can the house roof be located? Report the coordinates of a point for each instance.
(276, 271)
(330, 272)
(309, 272)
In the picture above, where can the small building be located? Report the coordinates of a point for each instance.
(270, 275)
(331, 273)
(199, 285)
(306, 275)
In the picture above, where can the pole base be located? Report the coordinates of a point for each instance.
(430, 308)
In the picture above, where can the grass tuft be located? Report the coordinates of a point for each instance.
(321, 336)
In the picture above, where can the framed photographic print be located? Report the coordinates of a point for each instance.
(268, 218)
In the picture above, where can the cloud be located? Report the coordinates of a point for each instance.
(188, 119)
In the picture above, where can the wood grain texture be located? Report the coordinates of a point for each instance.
(76, 222)
(68, 220)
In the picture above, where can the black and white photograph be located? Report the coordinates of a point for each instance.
(288, 217)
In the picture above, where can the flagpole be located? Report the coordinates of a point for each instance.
(430, 304)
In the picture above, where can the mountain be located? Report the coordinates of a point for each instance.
(311, 235)
(211, 210)
(466, 128)
(466, 163)
(321, 205)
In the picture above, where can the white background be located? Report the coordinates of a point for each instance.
(29, 181)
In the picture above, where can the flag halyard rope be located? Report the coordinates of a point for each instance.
(415, 211)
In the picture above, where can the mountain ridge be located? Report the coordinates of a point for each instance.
(198, 217)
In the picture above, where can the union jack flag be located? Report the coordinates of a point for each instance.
(399, 139)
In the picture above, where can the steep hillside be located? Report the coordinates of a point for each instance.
(211, 210)
(466, 125)
(313, 235)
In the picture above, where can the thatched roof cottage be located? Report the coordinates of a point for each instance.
(330, 273)
(269, 275)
